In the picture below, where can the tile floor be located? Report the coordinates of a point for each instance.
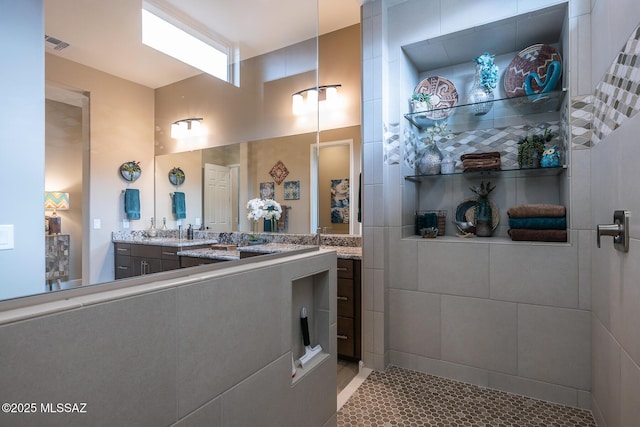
(400, 397)
(346, 372)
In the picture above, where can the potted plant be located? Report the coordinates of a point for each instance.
(421, 102)
(531, 147)
(130, 170)
(483, 211)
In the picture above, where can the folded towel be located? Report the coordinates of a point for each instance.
(480, 161)
(132, 203)
(178, 205)
(476, 156)
(426, 220)
(537, 210)
(538, 235)
(480, 165)
(539, 223)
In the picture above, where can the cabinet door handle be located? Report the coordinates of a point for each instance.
(122, 268)
(342, 337)
(168, 253)
(343, 269)
(343, 298)
(122, 250)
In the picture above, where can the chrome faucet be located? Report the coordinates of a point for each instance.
(180, 231)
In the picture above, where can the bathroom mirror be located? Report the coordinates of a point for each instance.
(124, 122)
(247, 165)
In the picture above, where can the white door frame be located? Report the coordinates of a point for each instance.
(353, 205)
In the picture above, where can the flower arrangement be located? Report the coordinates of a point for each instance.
(436, 133)
(263, 208)
(488, 71)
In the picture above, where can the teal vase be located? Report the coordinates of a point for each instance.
(484, 218)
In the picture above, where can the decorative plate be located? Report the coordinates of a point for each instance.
(466, 211)
(443, 96)
(176, 176)
(534, 59)
(279, 172)
(130, 171)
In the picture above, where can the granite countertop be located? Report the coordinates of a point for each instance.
(342, 251)
(167, 241)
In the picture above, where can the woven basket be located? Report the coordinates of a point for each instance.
(442, 221)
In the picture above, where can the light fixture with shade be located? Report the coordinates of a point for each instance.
(185, 128)
(306, 100)
(55, 201)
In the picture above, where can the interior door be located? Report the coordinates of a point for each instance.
(217, 198)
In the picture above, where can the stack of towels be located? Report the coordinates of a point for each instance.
(481, 161)
(538, 222)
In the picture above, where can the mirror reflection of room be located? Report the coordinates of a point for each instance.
(131, 117)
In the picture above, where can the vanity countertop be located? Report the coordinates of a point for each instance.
(342, 251)
(167, 241)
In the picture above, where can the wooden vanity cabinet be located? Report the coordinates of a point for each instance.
(122, 255)
(133, 259)
(349, 309)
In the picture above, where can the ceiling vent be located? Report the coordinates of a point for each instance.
(54, 43)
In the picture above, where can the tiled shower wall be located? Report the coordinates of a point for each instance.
(510, 316)
(614, 153)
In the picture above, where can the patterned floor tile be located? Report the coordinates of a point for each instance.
(400, 397)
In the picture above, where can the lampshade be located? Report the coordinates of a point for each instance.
(307, 100)
(186, 128)
(56, 200)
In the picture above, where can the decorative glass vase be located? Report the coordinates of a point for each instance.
(480, 97)
(151, 231)
(430, 160)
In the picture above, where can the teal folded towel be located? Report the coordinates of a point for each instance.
(132, 203)
(427, 220)
(542, 223)
(178, 205)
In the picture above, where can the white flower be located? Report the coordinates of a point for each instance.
(263, 208)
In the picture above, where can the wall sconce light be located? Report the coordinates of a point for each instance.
(327, 94)
(55, 200)
(185, 128)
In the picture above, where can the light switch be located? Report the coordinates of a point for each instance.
(6, 237)
(97, 224)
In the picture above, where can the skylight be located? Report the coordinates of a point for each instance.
(173, 41)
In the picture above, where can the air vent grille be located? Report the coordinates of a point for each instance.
(54, 43)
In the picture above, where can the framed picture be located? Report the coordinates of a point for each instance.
(267, 190)
(340, 201)
(292, 190)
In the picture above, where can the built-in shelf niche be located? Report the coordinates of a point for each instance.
(311, 292)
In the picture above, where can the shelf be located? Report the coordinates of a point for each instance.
(502, 108)
(507, 173)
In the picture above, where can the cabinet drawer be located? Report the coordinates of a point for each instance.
(345, 268)
(345, 298)
(170, 252)
(123, 267)
(346, 341)
(122, 249)
(146, 251)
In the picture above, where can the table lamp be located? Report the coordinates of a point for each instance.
(55, 200)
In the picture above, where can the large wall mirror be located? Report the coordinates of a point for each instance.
(133, 94)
